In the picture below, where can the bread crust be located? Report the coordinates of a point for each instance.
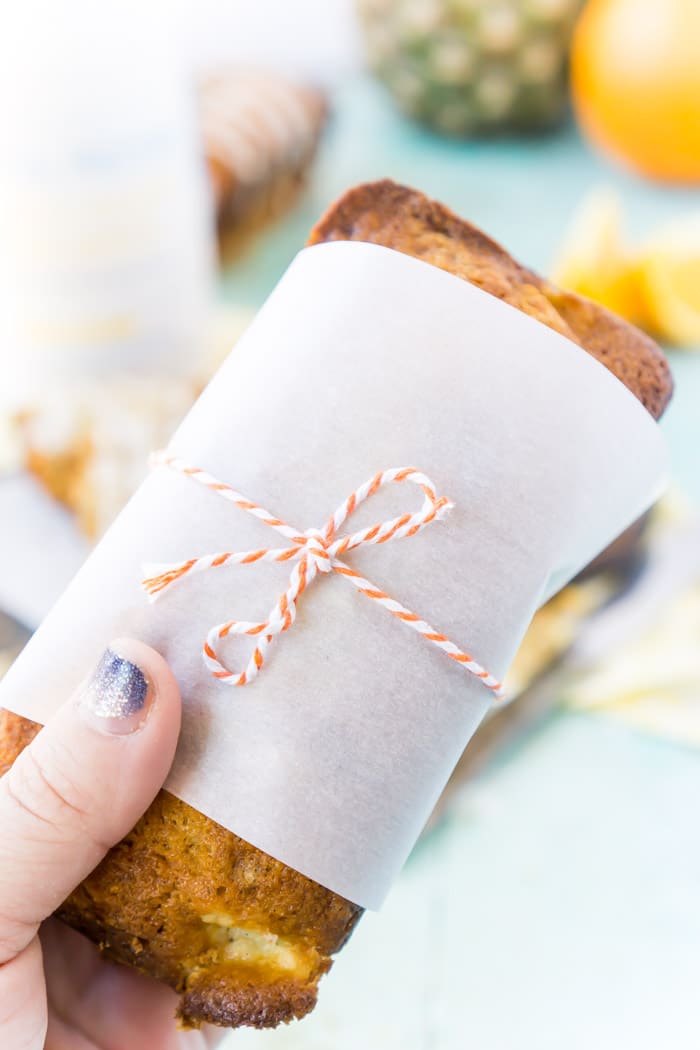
(406, 220)
(243, 938)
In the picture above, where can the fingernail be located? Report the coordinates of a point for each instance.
(117, 697)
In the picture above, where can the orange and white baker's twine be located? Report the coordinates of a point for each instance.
(313, 551)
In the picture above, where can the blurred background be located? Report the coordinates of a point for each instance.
(160, 165)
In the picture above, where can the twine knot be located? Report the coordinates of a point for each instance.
(316, 550)
(313, 552)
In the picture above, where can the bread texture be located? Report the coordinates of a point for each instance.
(241, 937)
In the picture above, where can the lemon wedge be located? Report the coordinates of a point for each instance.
(669, 275)
(594, 259)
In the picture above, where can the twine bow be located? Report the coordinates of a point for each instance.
(313, 551)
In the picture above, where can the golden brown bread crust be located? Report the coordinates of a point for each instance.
(408, 221)
(144, 906)
(15, 734)
(243, 938)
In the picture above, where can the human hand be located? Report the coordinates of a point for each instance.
(74, 792)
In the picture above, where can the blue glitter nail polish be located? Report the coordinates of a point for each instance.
(117, 689)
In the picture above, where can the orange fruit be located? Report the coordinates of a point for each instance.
(635, 70)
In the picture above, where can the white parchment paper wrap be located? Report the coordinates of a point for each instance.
(362, 359)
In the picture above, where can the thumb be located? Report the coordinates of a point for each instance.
(82, 784)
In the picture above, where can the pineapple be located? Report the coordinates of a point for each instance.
(473, 66)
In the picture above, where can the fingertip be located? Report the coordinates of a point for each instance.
(150, 661)
(161, 680)
(85, 780)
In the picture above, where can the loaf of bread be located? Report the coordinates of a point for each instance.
(87, 442)
(260, 133)
(241, 937)
(408, 221)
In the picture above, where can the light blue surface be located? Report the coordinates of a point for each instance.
(560, 907)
